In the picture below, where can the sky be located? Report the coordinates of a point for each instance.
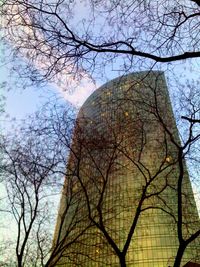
(19, 103)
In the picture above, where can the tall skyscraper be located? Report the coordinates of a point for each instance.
(119, 202)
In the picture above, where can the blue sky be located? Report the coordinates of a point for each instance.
(18, 103)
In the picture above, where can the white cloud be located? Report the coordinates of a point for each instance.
(74, 90)
(80, 93)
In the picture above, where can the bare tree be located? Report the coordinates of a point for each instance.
(26, 171)
(83, 38)
(32, 169)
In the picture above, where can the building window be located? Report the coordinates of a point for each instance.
(126, 113)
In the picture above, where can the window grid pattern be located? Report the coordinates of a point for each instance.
(121, 113)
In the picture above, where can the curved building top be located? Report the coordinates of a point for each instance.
(138, 85)
(132, 79)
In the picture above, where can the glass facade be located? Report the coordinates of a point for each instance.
(122, 175)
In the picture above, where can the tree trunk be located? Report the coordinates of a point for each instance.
(19, 260)
(122, 261)
(179, 256)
